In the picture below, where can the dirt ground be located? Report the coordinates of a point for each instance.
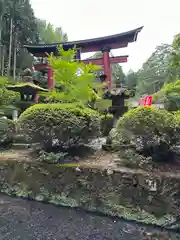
(101, 160)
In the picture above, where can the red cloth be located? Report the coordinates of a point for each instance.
(148, 101)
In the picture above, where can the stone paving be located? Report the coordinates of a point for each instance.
(28, 220)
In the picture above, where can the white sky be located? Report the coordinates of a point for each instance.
(83, 19)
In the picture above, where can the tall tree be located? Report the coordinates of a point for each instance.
(24, 27)
(175, 59)
(155, 71)
(131, 79)
(2, 11)
(49, 34)
(118, 76)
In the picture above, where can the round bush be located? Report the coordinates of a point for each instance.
(152, 132)
(65, 125)
(7, 131)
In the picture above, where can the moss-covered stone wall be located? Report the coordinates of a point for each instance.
(135, 196)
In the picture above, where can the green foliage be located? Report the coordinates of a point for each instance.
(152, 132)
(102, 104)
(130, 158)
(49, 34)
(118, 76)
(155, 71)
(7, 98)
(24, 29)
(75, 87)
(106, 124)
(67, 124)
(175, 58)
(177, 121)
(7, 131)
(131, 79)
(75, 81)
(169, 95)
(54, 158)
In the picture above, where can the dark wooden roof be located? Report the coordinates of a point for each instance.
(125, 37)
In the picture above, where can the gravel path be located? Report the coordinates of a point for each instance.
(27, 220)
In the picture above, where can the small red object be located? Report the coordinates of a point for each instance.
(148, 101)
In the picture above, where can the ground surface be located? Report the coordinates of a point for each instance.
(101, 159)
(26, 220)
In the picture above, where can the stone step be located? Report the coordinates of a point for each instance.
(21, 139)
(24, 145)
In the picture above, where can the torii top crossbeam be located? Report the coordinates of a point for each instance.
(104, 44)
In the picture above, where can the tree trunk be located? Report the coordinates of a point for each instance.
(15, 55)
(1, 24)
(3, 60)
(10, 47)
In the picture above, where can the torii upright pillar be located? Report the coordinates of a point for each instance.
(50, 77)
(107, 65)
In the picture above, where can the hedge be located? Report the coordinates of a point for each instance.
(150, 131)
(7, 97)
(67, 124)
(7, 131)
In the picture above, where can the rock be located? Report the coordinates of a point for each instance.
(110, 171)
(96, 144)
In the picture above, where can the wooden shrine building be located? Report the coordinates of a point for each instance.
(103, 44)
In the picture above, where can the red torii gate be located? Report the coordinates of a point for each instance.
(103, 44)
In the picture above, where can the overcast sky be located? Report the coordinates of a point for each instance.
(83, 19)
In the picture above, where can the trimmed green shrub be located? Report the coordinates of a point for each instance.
(7, 97)
(151, 132)
(106, 124)
(7, 131)
(65, 125)
(51, 158)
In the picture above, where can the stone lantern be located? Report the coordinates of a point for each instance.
(29, 95)
(118, 97)
(28, 91)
